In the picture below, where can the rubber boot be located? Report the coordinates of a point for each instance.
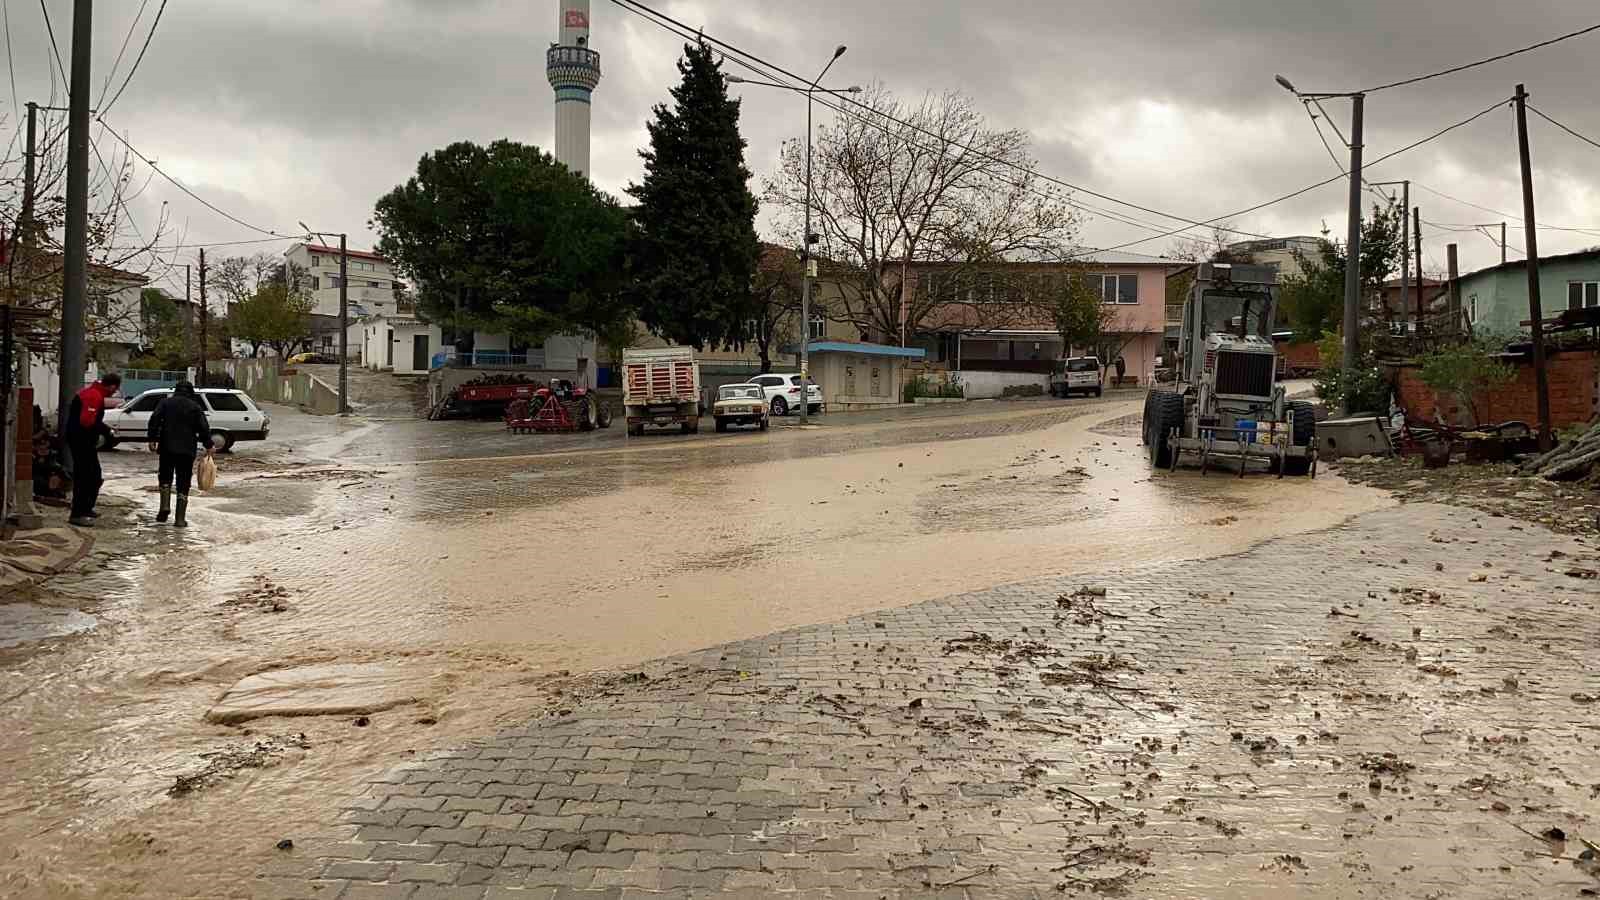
(166, 504)
(182, 521)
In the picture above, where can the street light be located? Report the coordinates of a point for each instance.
(344, 317)
(810, 263)
(1352, 268)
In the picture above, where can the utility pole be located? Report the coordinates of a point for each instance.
(1405, 249)
(1352, 264)
(805, 289)
(344, 327)
(30, 174)
(1422, 283)
(205, 342)
(1535, 308)
(1502, 243)
(73, 352)
(1455, 287)
(19, 465)
(188, 305)
(26, 238)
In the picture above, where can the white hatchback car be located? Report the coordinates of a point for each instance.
(783, 392)
(232, 414)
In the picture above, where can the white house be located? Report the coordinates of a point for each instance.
(402, 344)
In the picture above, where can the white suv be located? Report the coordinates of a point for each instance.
(232, 414)
(783, 392)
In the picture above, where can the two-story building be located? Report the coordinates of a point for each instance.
(1281, 255)
(986, 321)
(371, 292)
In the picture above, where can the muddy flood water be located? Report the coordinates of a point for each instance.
(492, 585)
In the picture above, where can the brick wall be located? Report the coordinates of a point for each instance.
(1574, 393)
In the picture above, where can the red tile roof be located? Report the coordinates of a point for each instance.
(357, 254)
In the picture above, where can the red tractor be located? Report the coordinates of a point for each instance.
(560, 407)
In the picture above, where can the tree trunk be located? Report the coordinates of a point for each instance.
(1574, 467)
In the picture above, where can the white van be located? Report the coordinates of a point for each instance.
(1078, 374)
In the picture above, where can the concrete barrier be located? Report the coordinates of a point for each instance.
(989, 385)
(265, 382)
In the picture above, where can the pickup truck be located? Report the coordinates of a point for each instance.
(661, 386)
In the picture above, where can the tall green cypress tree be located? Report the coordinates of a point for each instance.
(694, 248)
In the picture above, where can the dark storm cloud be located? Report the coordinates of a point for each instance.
(301, 110)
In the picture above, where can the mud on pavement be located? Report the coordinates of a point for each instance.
(1344, 713)
(487, 579)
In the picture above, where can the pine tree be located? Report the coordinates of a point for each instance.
(694, 249)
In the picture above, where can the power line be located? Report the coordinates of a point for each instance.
(138, 59)
(1484, 230)
(1472, 65)
(182, 187)
(11, 61)
(210, 244)
(1322, 137)
(1309, 188)
(778, 80)
(845, 97)
(1511, 216)
(54, 46)
(111, 73)
(1587, 140)
(1370, 188)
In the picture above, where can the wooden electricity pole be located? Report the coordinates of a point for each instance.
(1422, 283)
(1535, 308)
(204, 315)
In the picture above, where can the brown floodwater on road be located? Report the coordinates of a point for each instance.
(492, 576)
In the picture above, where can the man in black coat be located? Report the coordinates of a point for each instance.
(178, 429)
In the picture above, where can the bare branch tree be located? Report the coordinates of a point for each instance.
(123, 256)
(945, 190)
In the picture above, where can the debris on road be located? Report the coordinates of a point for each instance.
(221, 764)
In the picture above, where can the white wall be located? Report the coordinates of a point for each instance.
(986, 385)
(404, 337)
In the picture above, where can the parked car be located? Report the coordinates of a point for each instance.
(232, 414)
(1079, 374)
(740, 404)
(782, 390)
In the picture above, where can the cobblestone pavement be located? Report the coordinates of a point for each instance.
(1399, 707)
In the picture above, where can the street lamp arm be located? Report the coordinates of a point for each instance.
(853, 89)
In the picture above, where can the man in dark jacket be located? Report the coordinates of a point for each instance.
(178, 429)
(86, 423)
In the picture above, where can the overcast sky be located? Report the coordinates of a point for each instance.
(298, 110)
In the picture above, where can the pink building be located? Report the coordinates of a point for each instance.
(985, 322)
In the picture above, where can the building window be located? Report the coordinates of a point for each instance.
(1583, 294)
(818, 329)
(333, 281)
(102, 307)
(1123, 289)
(376, 284)
(316, 283)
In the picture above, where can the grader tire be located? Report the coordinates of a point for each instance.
(1163, 412)
(1305, 431)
